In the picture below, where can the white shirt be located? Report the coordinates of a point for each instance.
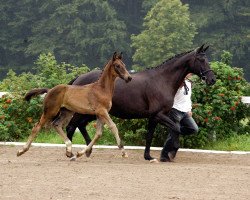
(183, 102)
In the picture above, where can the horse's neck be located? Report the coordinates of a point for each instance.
(174, 73)
(107, 80)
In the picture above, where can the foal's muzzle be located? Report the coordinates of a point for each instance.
(128, 79)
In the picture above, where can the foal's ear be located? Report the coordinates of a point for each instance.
(114, 56)
(205, 49)
(120, 56)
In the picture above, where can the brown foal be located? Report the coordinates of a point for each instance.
(62, 101)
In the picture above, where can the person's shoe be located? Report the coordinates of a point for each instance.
(162, 159)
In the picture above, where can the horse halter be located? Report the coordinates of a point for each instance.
(203, 73)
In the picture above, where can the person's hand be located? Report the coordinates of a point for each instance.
(190, 113)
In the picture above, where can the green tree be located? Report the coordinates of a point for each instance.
(224, 25)
(167, 31)
(77, 32)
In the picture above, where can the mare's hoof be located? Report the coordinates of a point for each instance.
(165, 160)
(154, 160)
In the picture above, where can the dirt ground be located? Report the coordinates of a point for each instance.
(45, 173)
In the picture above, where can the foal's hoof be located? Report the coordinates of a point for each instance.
(19, 153)
(79, 154)
(73, 158)
(69, 154)
(88, 153)
(125, 155)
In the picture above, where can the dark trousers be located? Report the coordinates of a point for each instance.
(186, 125)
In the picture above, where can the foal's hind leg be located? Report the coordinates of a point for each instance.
(32, 136)
(65, 115)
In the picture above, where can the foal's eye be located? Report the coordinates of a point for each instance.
(118, 66)
(202, 59)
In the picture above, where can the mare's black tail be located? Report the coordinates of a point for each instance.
(72, 81)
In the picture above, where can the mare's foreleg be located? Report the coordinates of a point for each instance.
(73, 124)
(99, 129)
(80, 121)
(149, 137)
(32, 136)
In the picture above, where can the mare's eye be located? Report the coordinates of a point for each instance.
(117, 66)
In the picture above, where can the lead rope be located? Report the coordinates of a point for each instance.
(186, 88)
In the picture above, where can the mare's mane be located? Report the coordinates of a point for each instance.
(173, 58)
(158, 66)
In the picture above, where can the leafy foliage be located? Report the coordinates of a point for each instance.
(218, 110)
(225, 26)
(83, 31)
(18, 116)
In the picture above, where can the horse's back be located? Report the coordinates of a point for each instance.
(87, 78)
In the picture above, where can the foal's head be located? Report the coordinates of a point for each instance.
(199, 65)
(119, 68)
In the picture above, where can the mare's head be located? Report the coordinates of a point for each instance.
(199, 65)
(119, 68)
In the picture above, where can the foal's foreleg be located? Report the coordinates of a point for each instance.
(106, 118)
(32, 136)
(99, 129)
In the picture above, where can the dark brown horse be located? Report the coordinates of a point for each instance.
(150, 94)
(95, 99)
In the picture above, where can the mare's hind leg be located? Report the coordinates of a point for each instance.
(64, 116)
(149, 137)
(99, 129)
(32, 136)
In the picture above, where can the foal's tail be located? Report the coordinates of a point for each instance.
(35, 92)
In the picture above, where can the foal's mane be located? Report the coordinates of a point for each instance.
(169, 60)
(103, 70)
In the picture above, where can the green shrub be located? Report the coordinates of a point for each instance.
(17, 116)
(218, 110)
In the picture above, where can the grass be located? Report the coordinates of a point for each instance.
(52, 137)
(234, 143)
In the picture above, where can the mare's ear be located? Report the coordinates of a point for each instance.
(200, 49)
(120, 56)
(114, 56)
(205, 49)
